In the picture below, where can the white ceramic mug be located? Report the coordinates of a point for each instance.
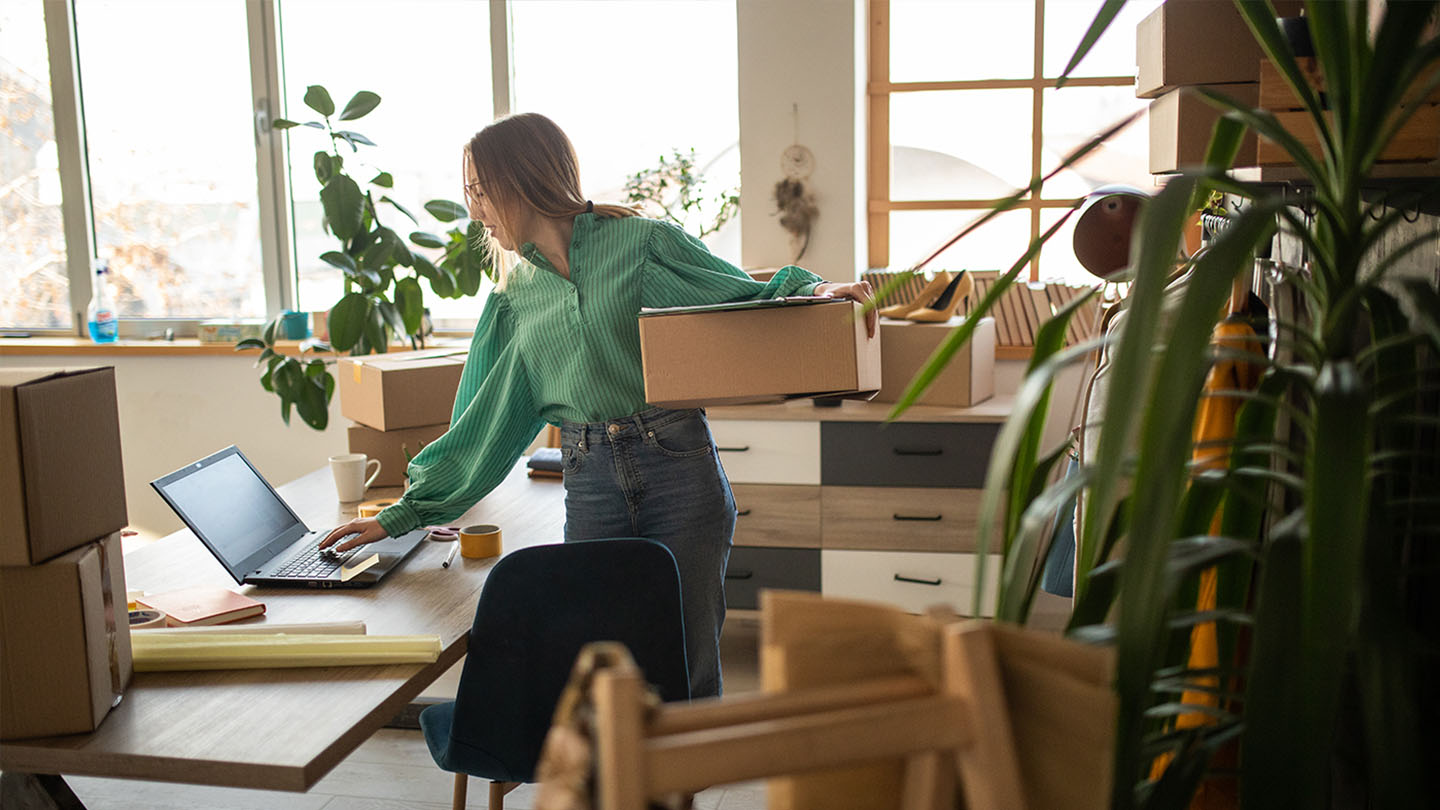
(350, 471)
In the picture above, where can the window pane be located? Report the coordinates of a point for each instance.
(34, 289)
(957, 40)
(1057, 258)
(993, 246)
(572, 60)
(171, 151)
(1074, 115)
(432, 73)
(1066, 22)
(959, 144)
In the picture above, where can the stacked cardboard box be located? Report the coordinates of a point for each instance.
(399, 402)
(64, 629)
(1189, 43)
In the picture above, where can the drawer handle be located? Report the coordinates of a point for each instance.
(898, 516)
(739, 574)
(742, 513)
(918, 451)
(899, 578)
(740, 449)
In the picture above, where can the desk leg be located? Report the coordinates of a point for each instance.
(36, 791)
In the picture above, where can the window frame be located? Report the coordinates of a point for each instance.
(277, 243)
(879, 89)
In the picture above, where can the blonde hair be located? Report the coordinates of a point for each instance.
(527, 165)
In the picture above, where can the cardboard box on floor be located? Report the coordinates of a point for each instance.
(1181, 123)
(967, 380)
(1187, 42)
(64, 642)
(390, 446)
(61, 480)
(400, 389)
(761, 351)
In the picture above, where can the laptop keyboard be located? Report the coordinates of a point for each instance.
(314, 562)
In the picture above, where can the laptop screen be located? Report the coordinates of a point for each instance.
(229, 506)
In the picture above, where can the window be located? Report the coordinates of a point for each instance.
(432, 74)
(192, 200)
(166, 98)
(34, 287)
(964, 110)
(631, 81)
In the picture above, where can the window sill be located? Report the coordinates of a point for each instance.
(39, 346)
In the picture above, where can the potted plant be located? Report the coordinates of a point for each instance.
(382, 298)
(1323, 525)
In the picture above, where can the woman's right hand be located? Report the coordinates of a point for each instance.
(365, 530)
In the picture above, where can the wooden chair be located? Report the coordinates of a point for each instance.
(901, 711)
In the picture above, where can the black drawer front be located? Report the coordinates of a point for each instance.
(753, 568)
(905, 454)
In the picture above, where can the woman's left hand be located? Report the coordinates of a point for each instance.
(856, 291)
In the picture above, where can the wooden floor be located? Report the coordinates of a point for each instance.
(393, 770)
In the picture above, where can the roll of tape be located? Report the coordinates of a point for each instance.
(372, 508)
(480, 541)
(142, 618)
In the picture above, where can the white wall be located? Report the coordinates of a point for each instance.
(805, 52)
(175, 409)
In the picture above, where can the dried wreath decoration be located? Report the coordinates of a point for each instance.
(794, 199)
(796, 204)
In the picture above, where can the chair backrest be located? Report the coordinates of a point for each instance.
(539, 606)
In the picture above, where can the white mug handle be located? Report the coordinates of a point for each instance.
(371, 479)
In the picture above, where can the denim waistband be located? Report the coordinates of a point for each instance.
(634, 424)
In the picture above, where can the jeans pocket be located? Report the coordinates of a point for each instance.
(681, 438)
(571, 459)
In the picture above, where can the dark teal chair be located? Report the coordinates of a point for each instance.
(539, 606)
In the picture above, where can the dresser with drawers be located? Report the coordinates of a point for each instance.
(836, 500)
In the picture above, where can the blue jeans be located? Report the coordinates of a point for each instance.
(656, 474)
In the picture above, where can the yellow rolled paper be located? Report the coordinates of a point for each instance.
(162, 653)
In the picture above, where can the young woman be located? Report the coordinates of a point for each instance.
(558, 342)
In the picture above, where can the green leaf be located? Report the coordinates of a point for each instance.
(425, 268)
(402, 209)
(283, 123)
(1102, 20)
(410, 301)
(344, 206)
(375, 333)
(384, 180)
(359, 105)
(426, 239)
(250, 343)
(317, 98)
(443, 283)
(335, 258)
(324, 167)
(348, 319)
(392, 316)
(445, 210)
(353, 138)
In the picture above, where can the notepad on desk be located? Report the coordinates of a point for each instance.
(202, 605)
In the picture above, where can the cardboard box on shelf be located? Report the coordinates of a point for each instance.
(390, 447)
(64, 642)
(906, 346)
(400, 389)
(61, 480)
(1197, 42)
(757, 351)
(229, 331)
(1181, 123)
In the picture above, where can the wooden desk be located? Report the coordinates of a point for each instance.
(283, 729)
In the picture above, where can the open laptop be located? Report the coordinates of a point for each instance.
(258, 538)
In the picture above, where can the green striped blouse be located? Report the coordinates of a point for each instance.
(549, 349)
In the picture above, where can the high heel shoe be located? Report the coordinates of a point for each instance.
(949, 302)
(927, 295)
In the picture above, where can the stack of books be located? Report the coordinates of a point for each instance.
(1024, 307)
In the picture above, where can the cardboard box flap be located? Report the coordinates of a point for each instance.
(761, 303)
(62, 505)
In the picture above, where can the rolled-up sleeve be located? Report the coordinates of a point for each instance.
(680, 271)
(494, 420)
